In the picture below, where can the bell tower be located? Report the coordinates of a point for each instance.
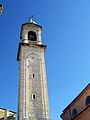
(32, 90)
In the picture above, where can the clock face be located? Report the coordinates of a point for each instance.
(31, 55)
(26, 53)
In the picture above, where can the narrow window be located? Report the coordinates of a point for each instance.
(33, 96)
(74, 112)
(87, 100)
(33, 75)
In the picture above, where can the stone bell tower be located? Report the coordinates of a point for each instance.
(32, 91)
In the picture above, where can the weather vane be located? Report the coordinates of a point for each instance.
(1, 8)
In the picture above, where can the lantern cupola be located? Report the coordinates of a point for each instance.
(31, 32)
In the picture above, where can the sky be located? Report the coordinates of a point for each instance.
(66, 32)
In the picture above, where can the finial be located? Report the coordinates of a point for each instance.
(31, 19)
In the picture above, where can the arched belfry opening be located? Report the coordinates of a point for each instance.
(31, 36)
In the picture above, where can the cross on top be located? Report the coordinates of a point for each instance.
(31, 19)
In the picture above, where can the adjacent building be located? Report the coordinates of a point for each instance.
(6, 114)
(79, 108)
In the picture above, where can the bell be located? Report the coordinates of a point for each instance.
(1, 8)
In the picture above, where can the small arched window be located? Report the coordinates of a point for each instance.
(33, 96)
(88, 100)
(74, 112)
(31, 36)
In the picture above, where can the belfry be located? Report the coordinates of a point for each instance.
(32, 87)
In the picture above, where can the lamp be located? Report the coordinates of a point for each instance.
(1, 8)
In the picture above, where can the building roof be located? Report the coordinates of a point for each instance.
(8, 118)
(7, 114)
(78, 96)
(33, 23)
(9, 110)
